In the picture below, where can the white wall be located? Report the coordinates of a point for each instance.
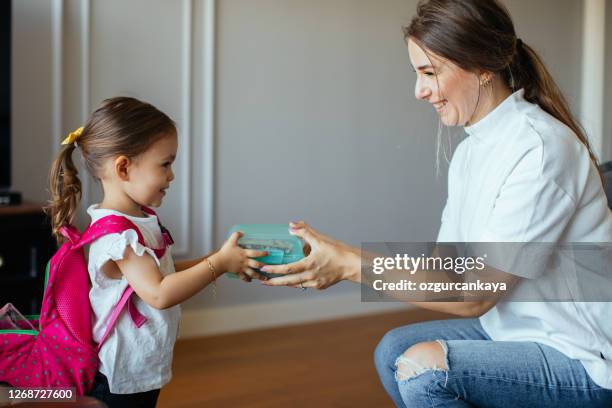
(607, 117)
(593, 75)
(314, 119)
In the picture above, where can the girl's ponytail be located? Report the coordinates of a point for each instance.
(527, 71)
(65, 188)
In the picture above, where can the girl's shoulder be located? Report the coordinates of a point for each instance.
(96, 213)
(148, 225)
(113, 245)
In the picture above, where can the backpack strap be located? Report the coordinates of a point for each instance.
(136, 316)
(117, 224)
(165, 233)
(109, 225)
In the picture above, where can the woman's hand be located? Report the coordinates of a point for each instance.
(327, 262)
(232, 258)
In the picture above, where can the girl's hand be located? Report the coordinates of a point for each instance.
(327, 262)
(232, 258)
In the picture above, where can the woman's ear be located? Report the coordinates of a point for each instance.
(485, 78)
(121, 167)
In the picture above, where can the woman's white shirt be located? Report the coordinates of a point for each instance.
(523, 176)
(133, 359)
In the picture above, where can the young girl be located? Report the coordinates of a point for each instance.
(129, 146)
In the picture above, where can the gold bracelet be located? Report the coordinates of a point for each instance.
(212, 270)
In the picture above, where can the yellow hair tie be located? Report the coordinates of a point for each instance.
(73, 136)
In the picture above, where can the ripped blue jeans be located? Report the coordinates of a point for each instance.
(483, 373)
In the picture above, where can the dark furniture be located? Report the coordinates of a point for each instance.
(26, 245)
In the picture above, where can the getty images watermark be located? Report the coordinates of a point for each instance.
(483, 271)
(422, 264)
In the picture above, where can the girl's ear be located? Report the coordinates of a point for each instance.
(122, 164)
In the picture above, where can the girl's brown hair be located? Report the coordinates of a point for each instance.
(120, 126)
(478, 35)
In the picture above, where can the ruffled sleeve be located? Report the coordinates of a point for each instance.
(112, 247)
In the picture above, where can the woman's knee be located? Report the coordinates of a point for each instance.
(418, 391)
(422, 372)
(393, 343)
(421, 357)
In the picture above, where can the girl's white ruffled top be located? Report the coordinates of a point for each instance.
(133, 359)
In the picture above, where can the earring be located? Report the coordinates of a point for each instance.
(485, 82)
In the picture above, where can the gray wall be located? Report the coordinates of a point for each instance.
(31, 98)
(316, 117)
(554, 30)
(316, 121)
(607, 142)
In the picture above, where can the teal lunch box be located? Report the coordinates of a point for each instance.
(282, 247)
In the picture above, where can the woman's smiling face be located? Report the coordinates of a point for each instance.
(451, 90)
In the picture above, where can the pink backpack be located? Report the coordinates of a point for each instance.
(62, 352)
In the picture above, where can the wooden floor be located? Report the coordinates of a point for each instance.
(326, 364)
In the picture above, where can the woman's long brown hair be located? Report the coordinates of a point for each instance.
(479, 35)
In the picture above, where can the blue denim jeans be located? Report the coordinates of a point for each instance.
(485, 373)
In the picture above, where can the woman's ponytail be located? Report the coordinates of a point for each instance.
(478, 35)
(65, 188)
(527, 71)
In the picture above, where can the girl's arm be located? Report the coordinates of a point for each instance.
(162, 292)
(185, 264)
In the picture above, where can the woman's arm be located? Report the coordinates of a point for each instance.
(330, 261)
(463, 309)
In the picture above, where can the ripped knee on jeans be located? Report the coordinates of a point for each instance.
(422, 357)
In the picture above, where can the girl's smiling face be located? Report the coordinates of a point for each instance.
(150, 173)
(452, 91)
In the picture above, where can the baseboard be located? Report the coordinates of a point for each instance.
(229, 319)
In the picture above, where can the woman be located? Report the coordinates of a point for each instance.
(525, 173)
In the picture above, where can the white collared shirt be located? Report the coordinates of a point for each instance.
(523, 176)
